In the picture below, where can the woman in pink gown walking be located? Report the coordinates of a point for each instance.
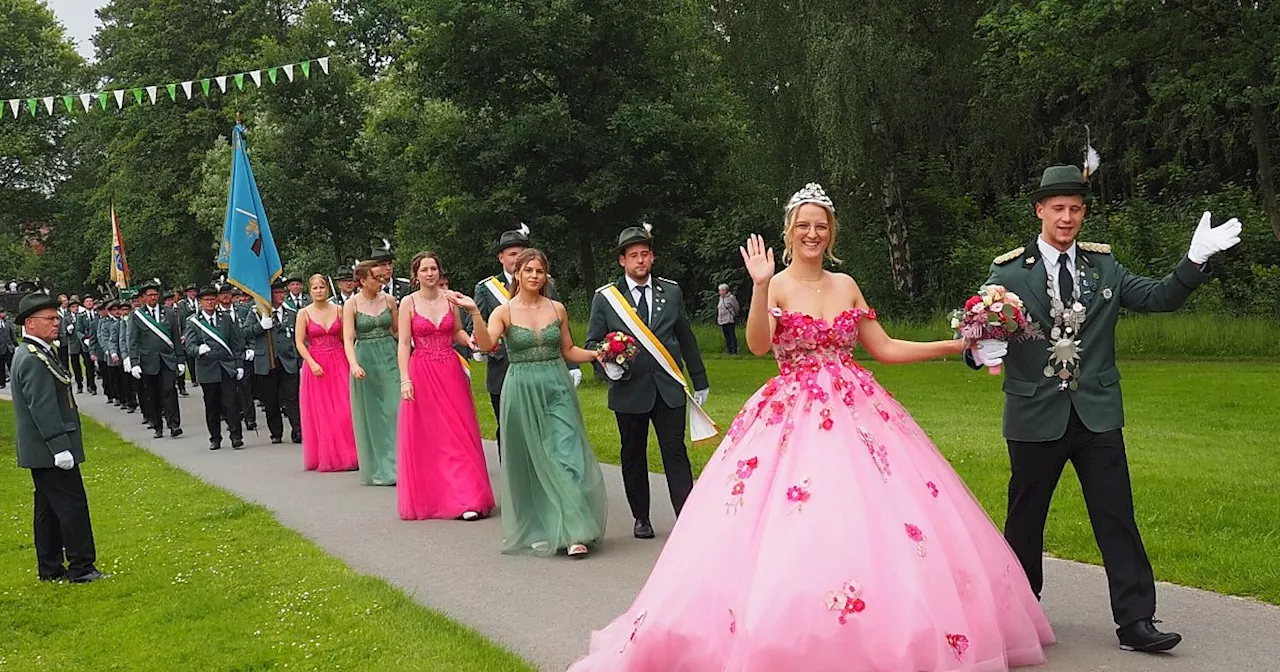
(827, 532)
(324, 395)
(440, 466)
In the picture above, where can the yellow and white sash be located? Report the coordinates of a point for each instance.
(466, 366)
(701, 426)
(498, 289)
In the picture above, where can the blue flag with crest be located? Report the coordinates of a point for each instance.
(248, 252)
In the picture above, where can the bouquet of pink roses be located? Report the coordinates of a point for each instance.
(994, 313)
(616, 352)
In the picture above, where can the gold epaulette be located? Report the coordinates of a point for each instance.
(1100, 248)
(1009, 256)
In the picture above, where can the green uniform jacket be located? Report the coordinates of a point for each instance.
(644, 379)
(496, 369)
(147, 349)
(64, 329)
(282, 333)
(8, 336)
(399, 288)
(87, 330)
(209, 366)
(46, 417)
(1035, 408)
(122, 336)
(73, 325)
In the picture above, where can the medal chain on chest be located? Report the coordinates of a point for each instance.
(1064, 344)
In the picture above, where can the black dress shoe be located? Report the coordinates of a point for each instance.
(54, 578)
(1143, 636)
(175, 432)
(237, 444)
(296, 438)
(643, 529)
(216, 445)
(95, 575)
(251, 426)
(276, 439)
(159, 434)
(183, 393)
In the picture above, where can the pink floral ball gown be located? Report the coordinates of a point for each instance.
(828, 533)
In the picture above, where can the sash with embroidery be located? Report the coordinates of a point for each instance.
(701, 426)
(155, 327)
(498, 289)
(211, 333)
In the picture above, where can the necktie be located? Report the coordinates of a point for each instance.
(1066, 285)
(642, 305)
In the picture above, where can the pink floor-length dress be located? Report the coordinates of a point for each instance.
(328, 439)
(440, 464)
(828, 533)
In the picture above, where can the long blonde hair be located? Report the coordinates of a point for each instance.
(532, 254)
(789, 222)
(312, 280)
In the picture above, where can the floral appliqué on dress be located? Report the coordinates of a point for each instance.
(738, 479)
(958, 643)
(916, 535)
(635, 628)
(798, 494)
(879, 454)
(847, 600)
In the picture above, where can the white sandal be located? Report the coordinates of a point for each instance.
(470, 515)
(577, 551)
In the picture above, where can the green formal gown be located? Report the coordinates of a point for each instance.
(375, 401)
(553, 493)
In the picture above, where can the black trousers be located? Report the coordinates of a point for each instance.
(1100, 463)
(191, 369)
(248, 410)
(90, 372)
(5, 359)
(222, 399)
(730, 338)
(62, 527)
(668, 424)
(160, 393)
(496, 401)
(63, 356)
(110, 386)
(279, 392)
(78, 360)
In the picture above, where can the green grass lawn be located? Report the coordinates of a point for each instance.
(202, 581)
(1202, 440)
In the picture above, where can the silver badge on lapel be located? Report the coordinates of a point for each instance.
(1106, 293)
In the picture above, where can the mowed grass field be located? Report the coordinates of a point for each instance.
(1203, 440)
(203, 581)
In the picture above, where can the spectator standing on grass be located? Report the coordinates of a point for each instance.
(727, 311)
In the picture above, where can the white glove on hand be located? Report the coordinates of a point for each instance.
(239, 374)
(990, 352)
(478, 356)
(182, 369)
(203, 349)
(136, 372)
(86, 342)
(63, 460)
(127, 365)
(576, 376)
(1209, 241)
(266, 323)
(248, 355)
(700, 396)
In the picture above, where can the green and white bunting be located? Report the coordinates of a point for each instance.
(148, 94)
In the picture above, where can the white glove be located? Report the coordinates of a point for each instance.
(71, 328)
(990, 352)
(127, 365)
(182, 369)
(203, 349)
(576, 376)
(478, 356)
(56, 342)
(136, 372)
(86, 342)
(248, 355)
(266, 323)
(700, 396)
(1209, 241)
(239, 374)
(63, 460)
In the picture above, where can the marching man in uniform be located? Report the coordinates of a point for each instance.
(158, 359)
(51, 446)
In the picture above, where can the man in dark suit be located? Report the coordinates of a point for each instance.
(157, 359)
(275, 364)
(72, 339)
(646, 393)
(188, 306)
(213, 339)
(397, 287)
(51, 446)
(108, 346)
(8, 342)
(87, 334)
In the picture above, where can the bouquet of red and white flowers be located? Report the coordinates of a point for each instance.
(617, 351)
(994, 313)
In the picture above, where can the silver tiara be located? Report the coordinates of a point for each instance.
(811, 193)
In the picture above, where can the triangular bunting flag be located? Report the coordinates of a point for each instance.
(102, 99)
(204, 84)
(240, 80)
(137, 96)
(324, 64)
(48, 104)
(271, 74)
(186, 88)
(119, 97)
(257, 78)
(173, 92)
(151, 92)
(288, 71)
(222, 83)
(66, 100)
(13, 105)
(86, 99)
(32, 103)
(306, 69)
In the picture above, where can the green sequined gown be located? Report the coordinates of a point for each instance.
(553, 493)
(375, 401)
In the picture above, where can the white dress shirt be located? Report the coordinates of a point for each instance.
(1050, 255)
(634, 287)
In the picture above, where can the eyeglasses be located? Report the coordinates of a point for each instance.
(51, 318)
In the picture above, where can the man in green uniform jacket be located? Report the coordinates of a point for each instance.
(51, 446)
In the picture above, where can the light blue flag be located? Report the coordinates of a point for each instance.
(251, 259)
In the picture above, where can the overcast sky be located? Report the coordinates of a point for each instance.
(80, 21)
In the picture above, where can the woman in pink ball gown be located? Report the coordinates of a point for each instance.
(440, 466)
(827, 532)
(324, 396)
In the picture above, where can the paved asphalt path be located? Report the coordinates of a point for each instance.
(546, 608)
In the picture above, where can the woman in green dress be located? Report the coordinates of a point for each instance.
(369, 322)
(553, 494)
